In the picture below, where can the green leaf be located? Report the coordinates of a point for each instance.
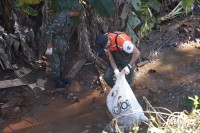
(65, 4)
(192, 102)
(187, 5)
(18, 3)
(133, 20)
(188, 102)
(55, 6)
(31, 2)
(76, 21)
(148, 19)
(29, 10)
(136, 4)
(131, 33)
(103, 7)
(59, 5)
(154, 4)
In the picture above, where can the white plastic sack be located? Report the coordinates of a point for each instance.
(121, 101)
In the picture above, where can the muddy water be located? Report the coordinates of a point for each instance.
(59, 117)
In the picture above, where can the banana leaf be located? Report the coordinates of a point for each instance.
(19, 3)
(29, 10)
(133, 20)
(24, 6)
(154, 4)
(65, 4)
(58, 5)
(105, 8)
(136, 4)
(30, 2)
(129, 30)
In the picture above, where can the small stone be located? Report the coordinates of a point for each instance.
(74, 87)
(85, 131)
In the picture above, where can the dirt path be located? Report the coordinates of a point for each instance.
(174, 76)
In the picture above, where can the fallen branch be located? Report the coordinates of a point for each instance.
(142, 63)
(167, 40)
(11, 83)
(74, 70)
(2, 65)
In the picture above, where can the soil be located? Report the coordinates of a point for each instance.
(172, 74)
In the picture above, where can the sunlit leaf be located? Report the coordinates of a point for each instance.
(147, 18)
(31, 2)
(187, 5)
(30, 11)
(192, 102)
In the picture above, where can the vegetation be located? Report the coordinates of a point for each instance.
(135, 17)
(162, 120)
(24, 6)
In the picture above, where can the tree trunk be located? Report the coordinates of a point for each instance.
(86, 36)
(5, 16)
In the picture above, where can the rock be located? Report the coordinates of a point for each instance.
(85, 131)
(88, 126)
(153, 89)
(17, 109)
(22, 72)
(74, 87)
(41, 82)
(13, 102)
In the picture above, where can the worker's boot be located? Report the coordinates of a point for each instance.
(59, 83)
(62, 78)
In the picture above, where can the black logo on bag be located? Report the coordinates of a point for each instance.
(121, 106)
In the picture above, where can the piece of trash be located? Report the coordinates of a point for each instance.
(41, 83)
(32, 86)
(70, 95)
(15, 66)
(22, 72)
(76, 100)
(152, 71)
(86, 131)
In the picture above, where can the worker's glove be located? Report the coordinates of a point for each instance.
(49, 50)
(127, 69)
(116, 71)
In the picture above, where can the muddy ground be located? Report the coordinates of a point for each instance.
(171, 75)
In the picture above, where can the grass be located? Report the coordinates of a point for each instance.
(162, 120)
